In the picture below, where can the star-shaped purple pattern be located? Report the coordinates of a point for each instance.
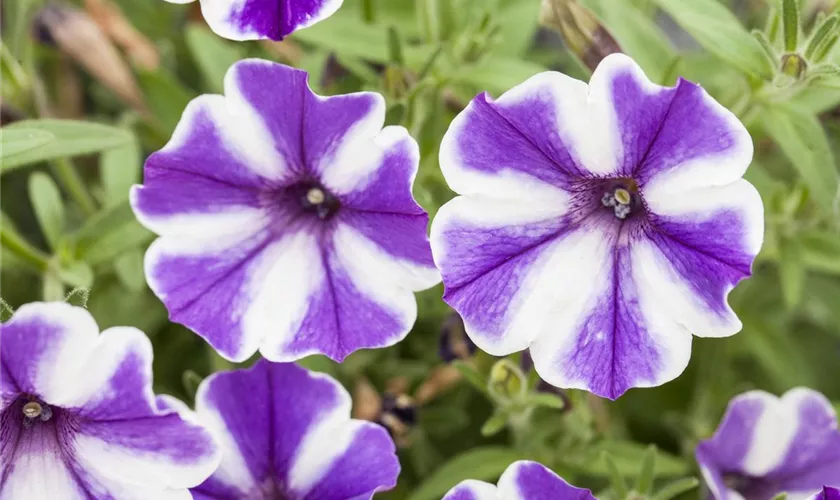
(287, 433)
(766, 445)
(522, 480)
(263, 19)
(286, 219)
(79, 419)
(598, 225)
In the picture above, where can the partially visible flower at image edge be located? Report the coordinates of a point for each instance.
(522, 480)
(263, 19)
(828, 493)
(287, 433)
(79, 419)
(599, 225)
(767, 445)
(286, 219)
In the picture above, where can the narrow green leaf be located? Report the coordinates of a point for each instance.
(16, 245)
(48, 207)
(820, 33)
(547, 400)
(627, 456)
(212, 54)
(767, 47)
(120, 169)
(483, 463)
(52, 287)
(70, 138)
(771, 27)
(648, 471)
(803, 140)
(395, 52)
(619, 486)
(790, 24)
(677, 488)
(719, 31)
(129, 269)
(781, 496)
(494, 424)
(471, 375)
(166, 97)
(791, 272)
(820, 250)
(76, 274)
(14, 141)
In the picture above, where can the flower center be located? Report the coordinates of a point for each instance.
(622, 197)
(314, 198)
(35, 411)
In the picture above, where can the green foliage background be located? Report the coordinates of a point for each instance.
(66, 225)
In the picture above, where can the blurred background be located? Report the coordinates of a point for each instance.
(91, 87)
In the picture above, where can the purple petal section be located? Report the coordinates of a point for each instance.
(400, 235)
(198, 172)
(367, 466)
(664, 128)
(491, 139)
(269, 410)
(206, 292)
(533, 481)
(340, 318)
(485, 266)
(711, 266)
(614, 347)
(260, 19)
(813, 459)
(828, 493)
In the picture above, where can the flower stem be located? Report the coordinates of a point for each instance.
(71, 180)
(22, 249)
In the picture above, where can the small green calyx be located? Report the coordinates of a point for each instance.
(794, 65)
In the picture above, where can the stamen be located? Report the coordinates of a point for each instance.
(315, 196)
(622, 196)
(32, 409)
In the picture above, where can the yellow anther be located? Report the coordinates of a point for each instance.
(32, 409)
(622, 196)
(315, 196)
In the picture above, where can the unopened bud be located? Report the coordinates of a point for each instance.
(794, 65)
(507, 382)
(585, 36)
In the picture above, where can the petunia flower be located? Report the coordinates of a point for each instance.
(79, 419)
(766, 445)
(523, 480)
(286, 219)
(598, 225)
(263, 19)
(287, 433)
(828, 493)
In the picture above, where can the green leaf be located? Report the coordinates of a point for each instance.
(494, 424)
(677, 488)
(517, 23)
(52, 287)
(547, 400)
(497, 74)
(820, 250)
(627, 456)
(166, 97)
(482, 463)
(69, 138)
(791, 272)
(16, 141)
(109, 234)
(803, 140)
(472, 376)
(76, 274)
(637, 34)
(718, 31)
(129, 269)
(648, 471)
(120, 169)
(49, 209)
(212, 54)
(790, 24)
(619, 485)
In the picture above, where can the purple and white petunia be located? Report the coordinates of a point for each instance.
(828, 493)
(287, 433)
(79, 419)
(287, 221)
(523, 480)
(598, 225)
(766, 445)
(263, 19)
